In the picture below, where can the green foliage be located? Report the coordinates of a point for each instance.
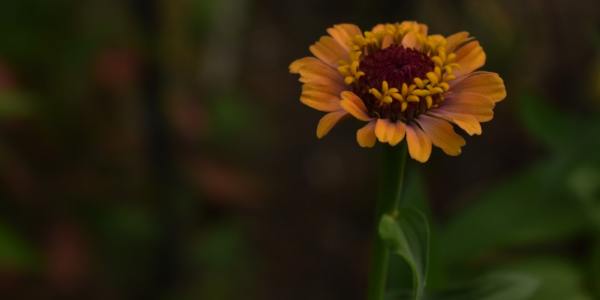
(407, 235)
(553, 200)
(495, 286)
(559, 278)
(14, 104)
(16, 253)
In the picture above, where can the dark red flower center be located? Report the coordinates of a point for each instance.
(396, 65)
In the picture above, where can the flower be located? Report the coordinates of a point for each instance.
(403, 83)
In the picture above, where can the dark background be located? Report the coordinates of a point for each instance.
(158, 150)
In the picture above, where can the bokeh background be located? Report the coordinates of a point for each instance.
(156, 149)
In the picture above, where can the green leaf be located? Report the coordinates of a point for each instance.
(502, 216)
(407, 235)
(546, 123)
(15, 252)
(14, 104)
(584, 182)
(495, 286)
(559, 278)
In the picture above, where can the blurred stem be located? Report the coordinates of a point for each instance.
(388, 201)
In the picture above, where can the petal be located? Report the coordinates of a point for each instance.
(442, 134)
(297, 64)
(319, 99)
(419, 145)
(329, 51)
(397, 133)
(328, 121)
(484, 83)
(387, 41)
(344, 34)
(467, 123)
(411, 40)
(354, 105)
(479, 106)
(333, 90)
(381, 130)
(366, 135)
(456, 40)
(378, 28)
(414, 26)
(316, 72)
(469, 57)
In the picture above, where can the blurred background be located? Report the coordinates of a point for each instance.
(156, 149)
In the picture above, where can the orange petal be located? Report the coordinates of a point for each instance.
(366, 135)
(320, 100)
(381, 130)
(333, 90)
(316, 72)
(456, 40)
(378, 28)
(419, 145)
(484, 83)
(344, 34)
(354, 105)
(328, 121)
(467, 123)
(479, 106)
(469, 57)
(442, 134)
(329, 51)
(387, 41)
(418, 27)
(397, 133)
(411, 40)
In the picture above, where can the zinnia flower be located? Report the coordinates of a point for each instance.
(402, 82)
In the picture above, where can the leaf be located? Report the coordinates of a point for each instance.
(555, 128)
(559, 278)
(15, 252)
(584, 182)
(503, 217)
(545, 122)
(407, 236)
(495, 286)
(14, 104)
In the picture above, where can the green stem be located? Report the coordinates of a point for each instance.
(388, 201)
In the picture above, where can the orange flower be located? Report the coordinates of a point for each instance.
(403, 83)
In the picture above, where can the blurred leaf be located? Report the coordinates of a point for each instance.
(202, 15)
(219, 248)
(15, 252)
(495, 286)
(555, 128)
(595, 269)
(546, 123)
(531, 207)
(14, 104)
(559, 279)
(235, 120)
(408, 236)
(222, 256)
(584, 183)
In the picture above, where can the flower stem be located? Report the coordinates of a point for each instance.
(388, 201)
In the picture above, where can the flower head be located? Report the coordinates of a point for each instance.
(403, 83)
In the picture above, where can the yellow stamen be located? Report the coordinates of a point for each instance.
(432, 77)
(375, 93)
(404, 106)
(404, 89)
(412, 98)
(421, 93)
